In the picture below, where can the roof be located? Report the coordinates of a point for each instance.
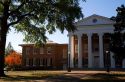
(49, 42)
(94, 20)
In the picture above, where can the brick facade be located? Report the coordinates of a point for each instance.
(49, 56)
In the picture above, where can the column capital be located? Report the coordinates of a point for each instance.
(69, 35)
(89, 34)
(79, 35)
(100, 33)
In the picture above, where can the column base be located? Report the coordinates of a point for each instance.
(123, 63)
(80, 66)
(90, 66)
(101, 67)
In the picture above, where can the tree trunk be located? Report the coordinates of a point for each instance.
(3, 32)
(2, 52)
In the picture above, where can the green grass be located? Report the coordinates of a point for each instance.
(62, 76)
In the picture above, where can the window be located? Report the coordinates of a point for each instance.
(38, 62)
(31, 62)
(35, 51)
(96, 47)
(49, 50)
(24, 61)
(86, 47)
(27, 62)
(28, 50)
(41, 50)
(41, 62)
(48, 62)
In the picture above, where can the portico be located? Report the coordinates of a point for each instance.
(87, 45)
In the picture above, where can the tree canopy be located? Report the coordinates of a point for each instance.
(34, 18)
(118, 37)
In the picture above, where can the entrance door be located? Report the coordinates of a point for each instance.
(96, 61)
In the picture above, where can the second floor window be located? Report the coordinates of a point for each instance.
(28, 50)
(35, 51)
(49, 50)
(41, 50)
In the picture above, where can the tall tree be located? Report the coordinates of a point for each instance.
(34, 17)
(9, 48)
(118, 37)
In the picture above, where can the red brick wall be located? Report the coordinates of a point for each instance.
(56, 54)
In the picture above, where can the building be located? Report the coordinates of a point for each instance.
(50, 56)
(89, 44)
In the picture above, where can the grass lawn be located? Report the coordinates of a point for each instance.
(63, 76)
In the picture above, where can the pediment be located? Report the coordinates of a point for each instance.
(94, 20)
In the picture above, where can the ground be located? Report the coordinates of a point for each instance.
(63, 76)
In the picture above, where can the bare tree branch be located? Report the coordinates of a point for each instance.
(20, 19)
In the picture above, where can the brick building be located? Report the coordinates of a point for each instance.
(50, 56)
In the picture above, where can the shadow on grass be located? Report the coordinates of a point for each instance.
(22, 78)
(108, 76)
(64, 78)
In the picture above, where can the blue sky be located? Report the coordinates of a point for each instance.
(105, 8)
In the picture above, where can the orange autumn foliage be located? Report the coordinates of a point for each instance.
(13, 59)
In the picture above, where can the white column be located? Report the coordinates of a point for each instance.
(34, 62)
(112, 60)
(79, 51)
(71, 51)
(90, 56)
(123, 63)
(101, 58)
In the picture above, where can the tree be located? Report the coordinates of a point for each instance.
(9, 48)
(34, 18)
(13, 59)
(118, 37)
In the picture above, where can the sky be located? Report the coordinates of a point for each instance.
(105, 8)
